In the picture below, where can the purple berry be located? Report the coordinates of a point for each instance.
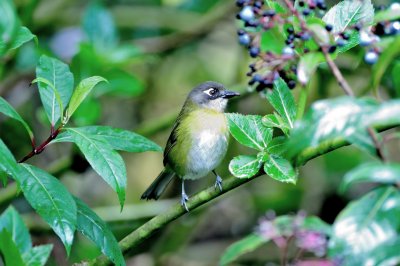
(288, 51)
(365, 38)
(254, 51)
(244, 39)
(328, 27)
(247, 13)
(371, 57)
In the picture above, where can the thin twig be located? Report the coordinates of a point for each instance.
(377, 143)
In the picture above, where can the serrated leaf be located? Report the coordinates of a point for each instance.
(11, 221)
(372, 172)
(277, 145)
(101, 156)
(243, 246)
(99, 27)
(9, 250)
(249, 130)
(348, 13)
(365, 225)
(280, 169)
(91, 226)
(244, 166)
(270, 120)
(51, 200)
(118, 139)
(283, 102)
(273, 41)
(344, 117)
(22, 36)
(9, 111)
(38, 255)
(80, 93)
(61, 79)
(8, 164)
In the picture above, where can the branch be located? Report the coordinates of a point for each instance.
(136, 237)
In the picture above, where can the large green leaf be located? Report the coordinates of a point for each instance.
(280, 169)
(37, 256)
(366, 225)
(249, 130)
(386, 255)
(244, 166)
(277, 145)
(372, 172)
(344, 117)
(283, 102)
(99, 27)
(243, 246)
(9, 111)
(51, 200)
(61, 79)
(11, 221)
(118, 139)
(9, 25)
(101, 156)
(349, 12)
(90, 225)
(9, 250)
(80, 93)
(8, 164)
(272, 40)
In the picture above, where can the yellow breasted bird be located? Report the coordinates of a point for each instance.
(198, 141)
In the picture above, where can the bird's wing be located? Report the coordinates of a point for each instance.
(173, 137)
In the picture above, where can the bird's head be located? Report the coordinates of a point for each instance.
(211, 95)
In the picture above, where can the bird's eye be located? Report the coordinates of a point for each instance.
(211, 91)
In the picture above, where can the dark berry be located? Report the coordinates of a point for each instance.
(328, 27)
(241, 32)
(244, 39)
(306, 11)
(345, 36)
(254, 51)
(340, 42)
(301, 3)
(332, 49)
(305, 36)
(358, 27)
(257, 77)
(252, 67)
(306, 50)
(394, 27)
(293, 68)
(291, 84)
(258, 4)
(365, 38)
(322, 6)
(379, 29)
(251, 23)
(240, 3)
(290, 30)
(267, 83)
(371, 57)
(269, 13)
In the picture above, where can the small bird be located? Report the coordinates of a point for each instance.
(198, 141)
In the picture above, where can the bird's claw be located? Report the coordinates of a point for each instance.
(218, 183)
(184, 199)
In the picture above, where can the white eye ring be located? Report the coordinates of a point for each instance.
(208, 92)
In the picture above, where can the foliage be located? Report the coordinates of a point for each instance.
(294, 45)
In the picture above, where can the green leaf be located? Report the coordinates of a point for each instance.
(244, 166)
(272, 40)
(249, 130)
(101, 156)
(283, 102)
(23, 35)
(38, 255)
(11, 221)
(271, 120)
(372, 172)
(117, 139)
(348, 13)
(344, 117)
(396, 78)
(277, 145)
(91, 226)
(385, 59)
(366, 225)
(99, 27)
(386, 255)
(9, 111)
(9, 25)
(9, 250)
(280, 169)
(243, 246)
(51, 200)
(387, 115)
(80, 93)
(387, 15)
(307, 66)
(61, 79)
(8, 164)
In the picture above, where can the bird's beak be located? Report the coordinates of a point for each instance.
(229, 94)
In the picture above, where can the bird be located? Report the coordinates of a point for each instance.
(198, 141)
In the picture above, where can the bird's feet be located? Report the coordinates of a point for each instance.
(218, 183)
(184, 199)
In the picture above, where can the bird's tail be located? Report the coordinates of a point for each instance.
(159, 185)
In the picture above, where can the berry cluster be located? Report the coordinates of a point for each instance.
(257, 18)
